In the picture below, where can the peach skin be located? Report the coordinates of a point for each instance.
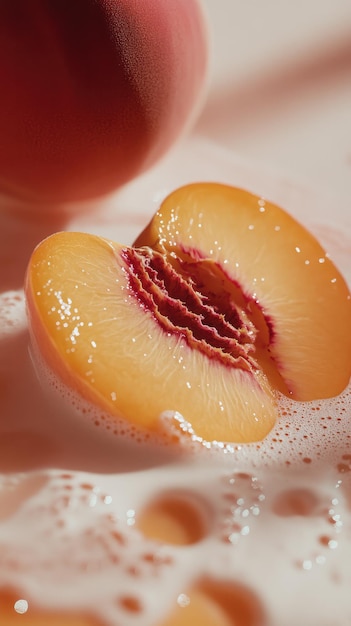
(94, 92)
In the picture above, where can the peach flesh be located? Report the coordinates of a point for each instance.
(289, 287)
(97, 336)
(180, 307)
(250, 316)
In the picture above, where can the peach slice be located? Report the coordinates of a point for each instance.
(275, 270)
(102, 319)
(225, 299)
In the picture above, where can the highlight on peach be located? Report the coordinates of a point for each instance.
(223, 301)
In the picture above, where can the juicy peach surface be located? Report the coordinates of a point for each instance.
(101, 339)
(280, 270)
(232, 300)
(81, 112)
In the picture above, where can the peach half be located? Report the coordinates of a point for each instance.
(223, 299)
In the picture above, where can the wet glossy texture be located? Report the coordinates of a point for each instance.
(97, 336)
(284, 279)
(231, 301)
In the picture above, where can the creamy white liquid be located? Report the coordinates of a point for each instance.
(278, 514)
(278, 518)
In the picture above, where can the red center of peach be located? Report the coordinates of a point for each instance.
(209, 321)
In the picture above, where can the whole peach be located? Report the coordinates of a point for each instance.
(93, 91)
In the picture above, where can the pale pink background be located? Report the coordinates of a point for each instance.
(280, 87)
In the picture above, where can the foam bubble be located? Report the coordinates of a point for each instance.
(12, 313)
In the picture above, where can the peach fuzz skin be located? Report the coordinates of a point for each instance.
(94, 92)
(209, 321)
